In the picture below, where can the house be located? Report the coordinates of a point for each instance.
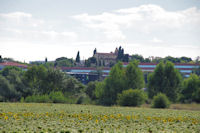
(4, 64)
(106, 59)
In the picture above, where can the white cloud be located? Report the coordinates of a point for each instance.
(15, 15)
(24, 27)
(145, 18)
(20, 20)
(156, 40)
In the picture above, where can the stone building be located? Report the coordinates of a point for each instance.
(106, 59)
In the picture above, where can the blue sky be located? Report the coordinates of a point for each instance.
(35, 29)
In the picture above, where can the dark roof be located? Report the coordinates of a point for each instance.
(83, 68)
(176, 64)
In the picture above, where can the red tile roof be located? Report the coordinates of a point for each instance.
(106, 53)
(13, 64)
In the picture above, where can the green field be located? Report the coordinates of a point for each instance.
(25, 117)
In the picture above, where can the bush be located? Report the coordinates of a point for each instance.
(29, 99)
(57, 97)
(43, 99)
(38, 99)
(131, 97)
(160, 101)
(22, 99)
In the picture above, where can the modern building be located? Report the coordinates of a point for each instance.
(184, 68)
(86, 74)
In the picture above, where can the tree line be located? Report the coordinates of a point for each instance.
(38, 81)
(127, 84)
(123, 86)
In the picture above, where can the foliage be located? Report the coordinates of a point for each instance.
(37, 81)
(91, 61)
(121, 56)
(64, 62)
(133, 76)
(57, 97)
(7, 90)
(191, 89)
(95, 51)
(138, 58)
(196, 71)
(165, 79)
(53, 80)
(72, 85)
(78, 57)
(90, 89)
(35, 78)
(14, 76)
(119, 79)
(113, 84)
(38, 99)
(160, 101)
(131, 97)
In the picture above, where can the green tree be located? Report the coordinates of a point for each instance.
(120, 54)
(160, 101)
(1, 59)
(72, 85)
(133, 76)
(8, 92)
(35, 78)
(90, 89)
(64, 62)
(15, 77)
(165, 79)
(131, 97)
(6, 70)
(78, 57)
(46, 60)
(196, 71)
(113, 84)
(95, 51)
(191, 89)
(137, 57)
(53, 80)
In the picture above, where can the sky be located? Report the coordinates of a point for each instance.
(32, 30)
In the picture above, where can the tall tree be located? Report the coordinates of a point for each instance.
(191, 89)
(46, 60)
(7, 90)
(111, 86)
(120, 54)
(95, 51)
(35, 78)
(78, 57)
(133, 76)
(165, 79)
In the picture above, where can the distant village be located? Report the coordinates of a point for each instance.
(98, 66)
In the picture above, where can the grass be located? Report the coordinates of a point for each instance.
(39, 117)
(193, 106)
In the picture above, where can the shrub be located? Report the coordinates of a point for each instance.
(38, 99)
(22, 99)
(43, 99)
(57, 97)
(160, 101)
(131, 97)
(29, 99)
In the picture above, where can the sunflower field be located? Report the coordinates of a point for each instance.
(70, 118)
